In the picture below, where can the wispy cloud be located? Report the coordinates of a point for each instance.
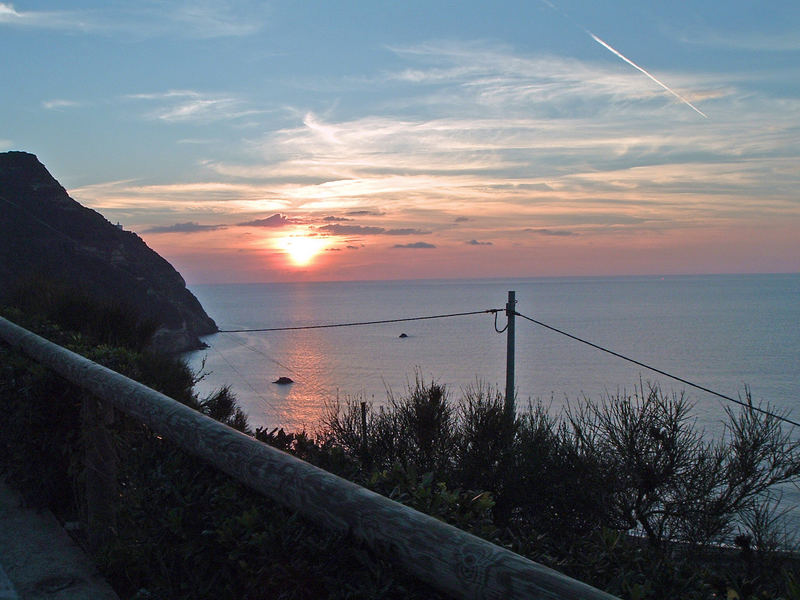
(551, 232)
(58, 104)
(191, 105)
(337, 229)
(276, 220)
(189, 227)
(364, 213)
(623, 57)
(7, 12)
(406, 231)
(480, 142)
(197, 141)
(495, 76)
(506, 115)
(220, 18)
(153, 18)
(136, 201)
(361, 230)
(415, 245)
(44, 19)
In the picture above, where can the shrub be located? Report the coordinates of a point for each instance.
(572, 491)
(221, 406)
(39, 432)
(183, 529)
(415, 430)
(482, 441)
(670, 484)
(425, 419)
(186, 531)
(577, 491)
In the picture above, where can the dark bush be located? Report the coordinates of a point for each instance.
(111, 322)
(624, 494)
(670, 484)
(183, 530)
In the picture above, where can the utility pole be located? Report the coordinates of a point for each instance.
(510, 313)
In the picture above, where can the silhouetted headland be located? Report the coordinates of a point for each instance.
(47, 236)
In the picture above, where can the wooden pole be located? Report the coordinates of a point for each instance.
(510, 409)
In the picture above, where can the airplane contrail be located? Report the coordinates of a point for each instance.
(620, 55)
(635, 66)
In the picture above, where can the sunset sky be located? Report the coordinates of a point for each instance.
(271, 141)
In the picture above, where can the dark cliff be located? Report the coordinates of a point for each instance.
(45, 233)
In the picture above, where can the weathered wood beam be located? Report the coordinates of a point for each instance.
(447, 558)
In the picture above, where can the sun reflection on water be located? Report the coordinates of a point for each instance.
(305, 359)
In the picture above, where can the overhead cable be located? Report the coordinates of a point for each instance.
(297, 327)
(651, 368)
(243, 378)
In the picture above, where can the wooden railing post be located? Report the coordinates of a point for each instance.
(100, 470)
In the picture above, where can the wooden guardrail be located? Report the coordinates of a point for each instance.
(447, 558)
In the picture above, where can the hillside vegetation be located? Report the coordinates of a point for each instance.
(47, 237)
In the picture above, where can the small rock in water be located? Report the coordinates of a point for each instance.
(403, 335)
(283, 380)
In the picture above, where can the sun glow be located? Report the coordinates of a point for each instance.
(302, 249)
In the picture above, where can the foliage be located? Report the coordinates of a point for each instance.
(671, 484)
(104, 321)
(465, 509)
(221, 406)
(481, 446)
(39, 431)
(187, 531)
(414, 430)
(625, 493)
(183, 530)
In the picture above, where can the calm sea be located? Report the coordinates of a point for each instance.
(723, 332)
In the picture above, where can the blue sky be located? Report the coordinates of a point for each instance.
(261, 141)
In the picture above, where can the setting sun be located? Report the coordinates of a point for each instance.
(302, 249)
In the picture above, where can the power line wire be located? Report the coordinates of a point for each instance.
(323, 392)
(257, 351)
(297, 327)
(646, 366)
(494, 311)
(243, 378)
